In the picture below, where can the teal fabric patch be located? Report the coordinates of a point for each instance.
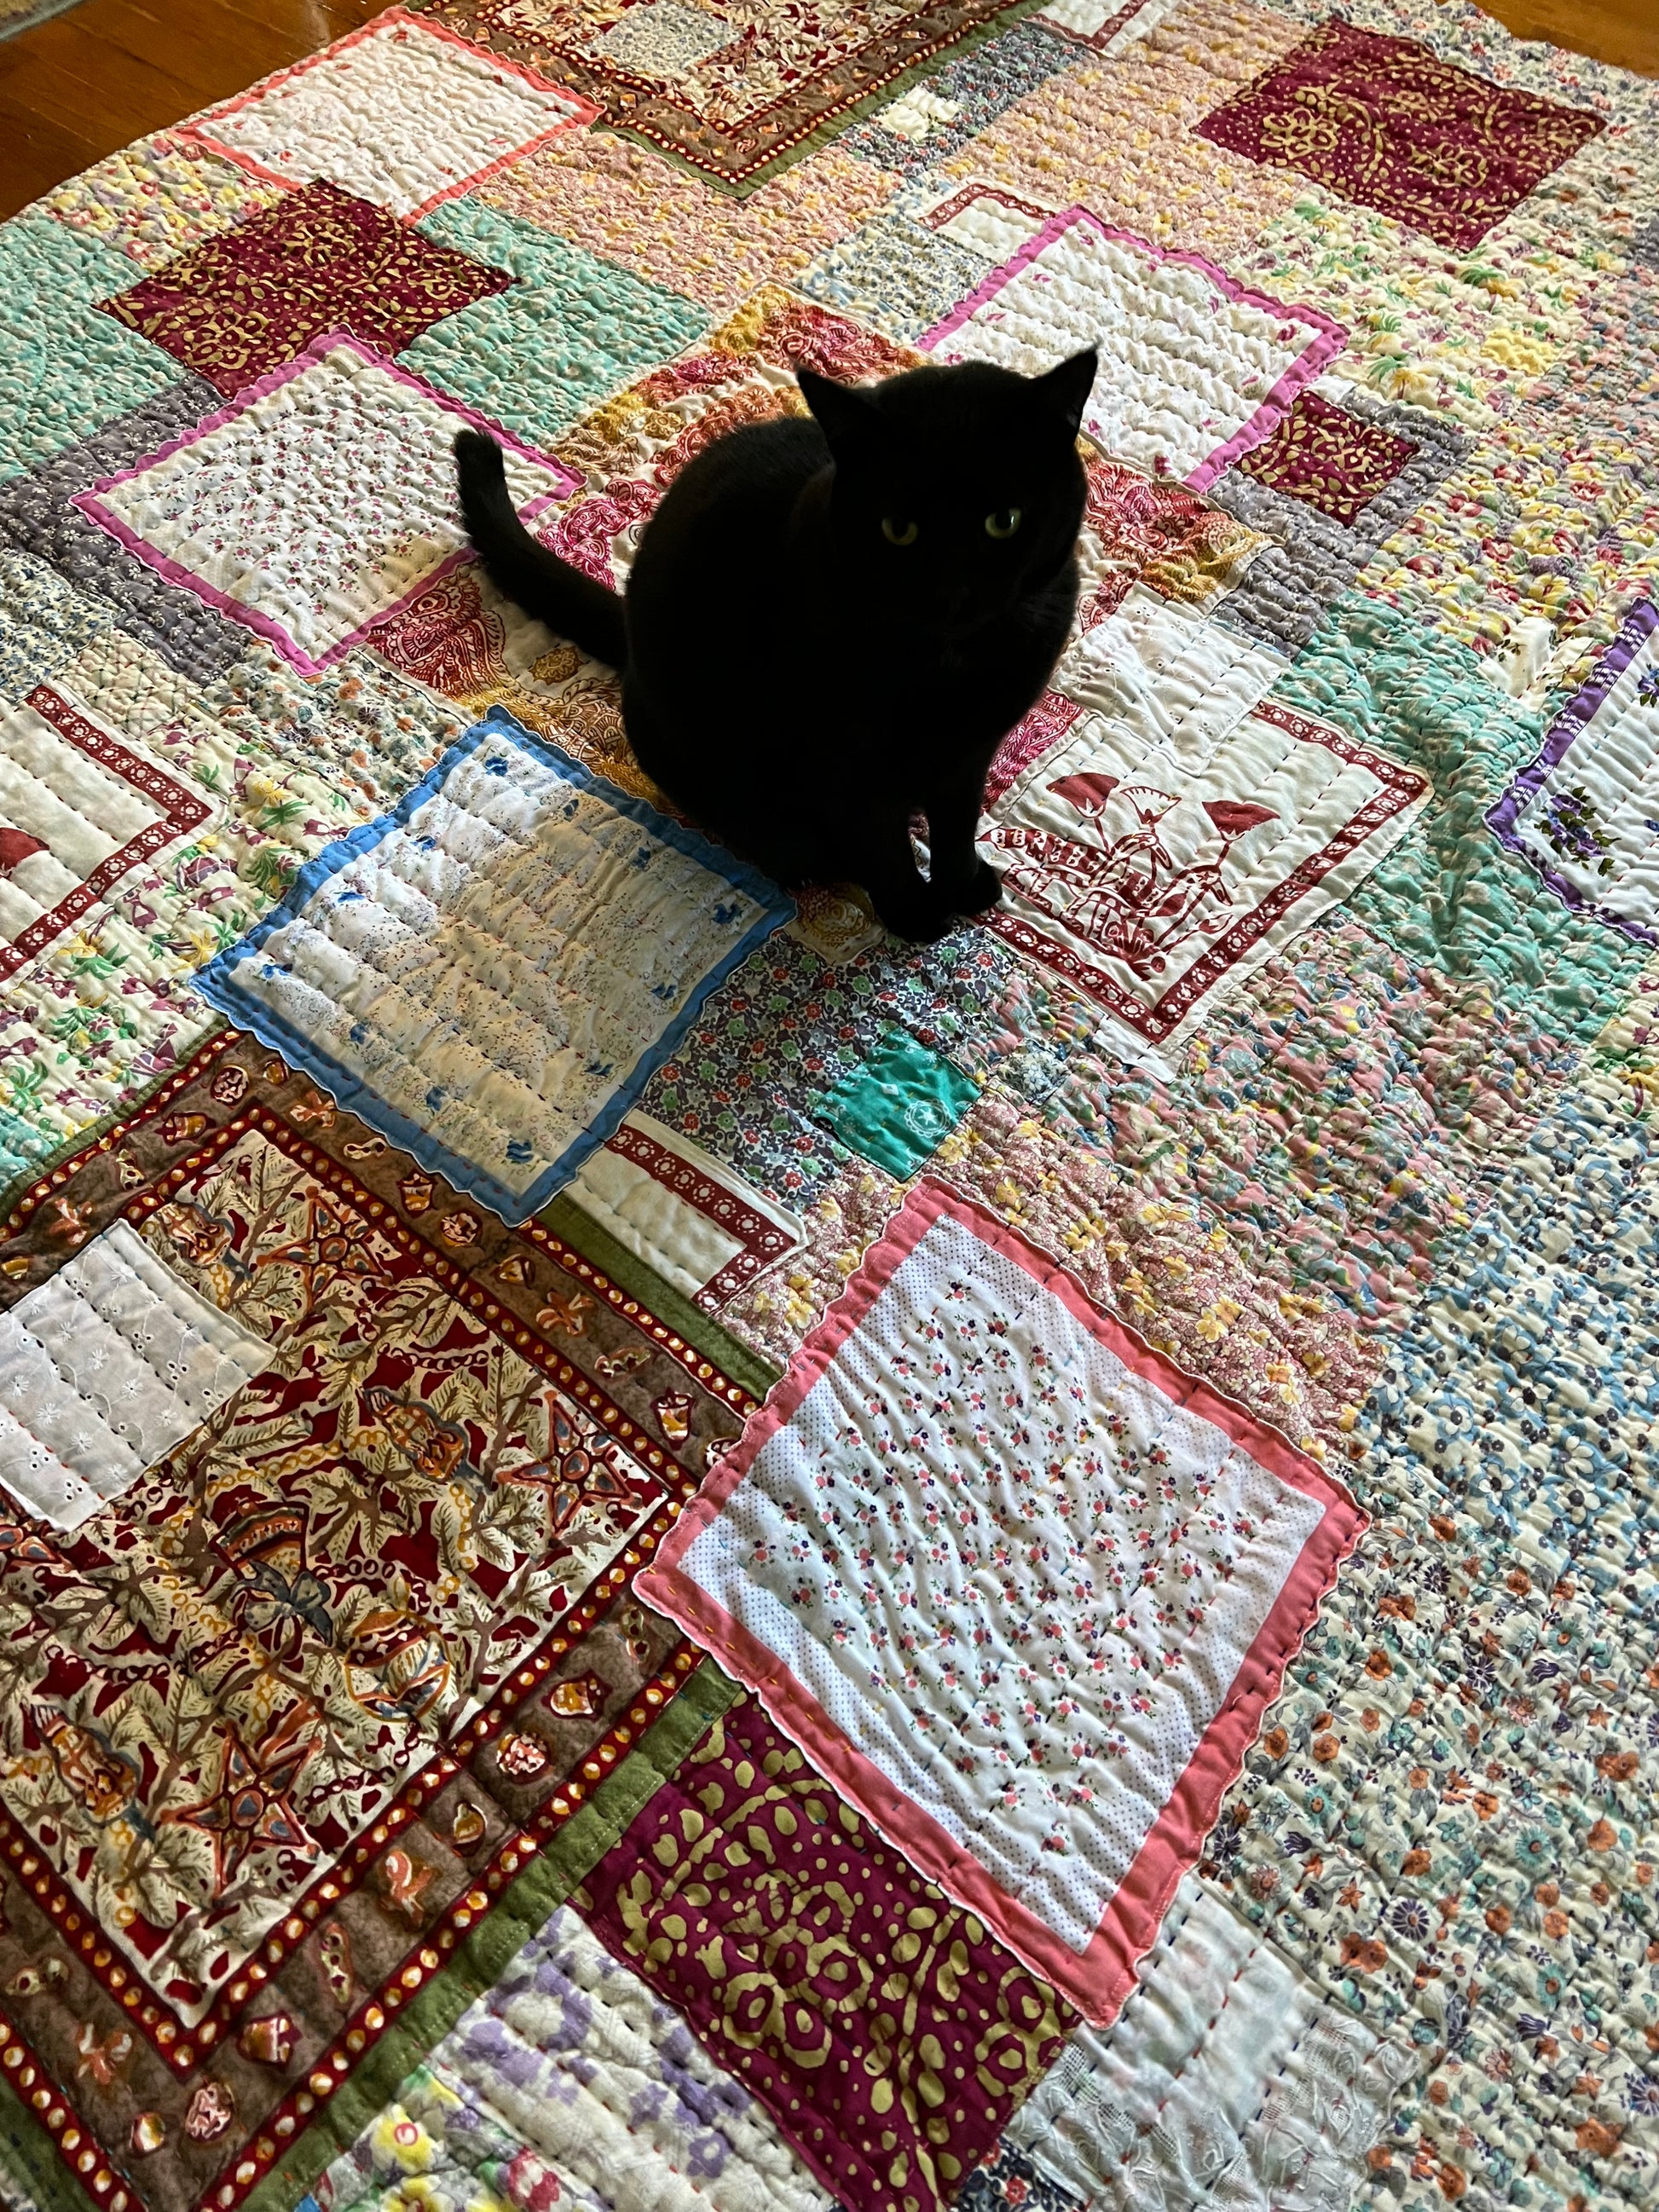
(572, 330)
(1449, 896)
(900, 1105)
(65, 370)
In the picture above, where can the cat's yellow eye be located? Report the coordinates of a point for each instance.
(896, 532)
(1003, 523)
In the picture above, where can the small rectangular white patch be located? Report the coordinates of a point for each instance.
(103, 1370)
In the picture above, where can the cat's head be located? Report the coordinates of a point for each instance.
(957, 491)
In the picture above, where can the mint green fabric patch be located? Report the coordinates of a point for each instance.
(572, 330)
(1449, 896)
(65, 370)
(900, 1106)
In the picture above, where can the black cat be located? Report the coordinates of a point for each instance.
(831, 623)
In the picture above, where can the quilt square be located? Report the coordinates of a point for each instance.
(317, 503)
(405, 112)
(490, 972)
(78, 811)
(1187, 826)
(1195, 368)
(243, 303)
(1328, 459)
(368, 1638)
(1020, 1587)
(1584, 814)
(735, 91)
(884, 2027)
(1383, 122)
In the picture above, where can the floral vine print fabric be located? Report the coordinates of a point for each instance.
(887, 2030)
(425, 1155)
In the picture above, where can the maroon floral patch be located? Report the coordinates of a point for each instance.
(1328, 459)
(242, 304)
(1380, 121)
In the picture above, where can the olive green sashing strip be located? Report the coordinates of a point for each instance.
(32, 2159)
(844, 119)
(734, 1358)
(479, 1962)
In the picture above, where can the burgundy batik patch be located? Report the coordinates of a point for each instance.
(243, 303)
(1328, 459)
(1384, 122)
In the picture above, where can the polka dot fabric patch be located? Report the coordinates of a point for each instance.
(1019, 1588)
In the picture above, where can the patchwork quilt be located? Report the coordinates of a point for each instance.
(655, 1551)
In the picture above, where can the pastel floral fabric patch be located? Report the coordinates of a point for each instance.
(888, 2031)
(321, 260)
(1021, 1588)
(1327, 458)
(1382, 121)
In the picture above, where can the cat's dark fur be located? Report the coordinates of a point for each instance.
(794, 679)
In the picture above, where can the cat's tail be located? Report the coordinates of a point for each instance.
(571, 604)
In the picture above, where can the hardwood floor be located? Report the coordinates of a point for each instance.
(87, 83)
(78, 87)
(1622, 31)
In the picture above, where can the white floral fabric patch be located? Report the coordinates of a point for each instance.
(403, 112)
(1018, 1586)
(103, 1370)
(1195, 368)
(321, 501)
(490, 972)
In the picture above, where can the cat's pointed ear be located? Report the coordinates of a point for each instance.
(847, 417)
(1067, 388)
